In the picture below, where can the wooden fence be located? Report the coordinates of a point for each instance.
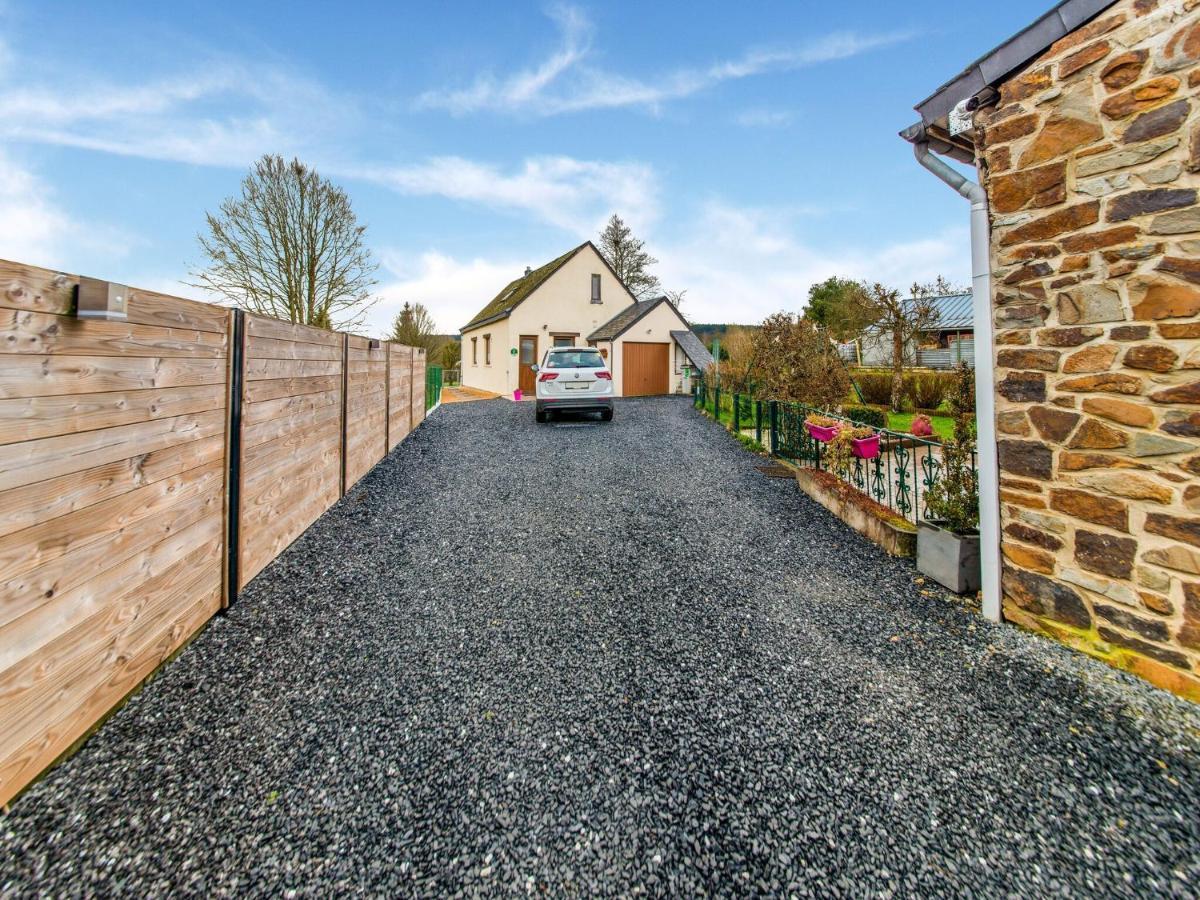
(149, 469)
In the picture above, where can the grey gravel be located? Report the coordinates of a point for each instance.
(612, 659)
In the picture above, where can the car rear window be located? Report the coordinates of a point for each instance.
(575, 359)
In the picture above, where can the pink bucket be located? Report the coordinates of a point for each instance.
(517, 394)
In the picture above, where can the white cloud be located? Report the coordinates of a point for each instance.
(35, 229)
(737, 264)
(565, 82)
(576, 195)
(740, 265)
(221, 112)
(453, 290)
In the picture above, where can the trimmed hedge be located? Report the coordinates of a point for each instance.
(866, 415)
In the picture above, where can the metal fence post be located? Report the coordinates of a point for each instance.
(233, 457)
(737, 417)
(717, 403)
(774, 421)
(758, 421)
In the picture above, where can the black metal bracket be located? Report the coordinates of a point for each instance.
(345, 407)
(233, 455)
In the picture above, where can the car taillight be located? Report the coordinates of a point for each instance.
(547, 376)
(607, 376)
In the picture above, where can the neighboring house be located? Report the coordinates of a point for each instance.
(949, 339)
(1085, 130)
(578, 300)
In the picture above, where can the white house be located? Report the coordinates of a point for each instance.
(574, 300)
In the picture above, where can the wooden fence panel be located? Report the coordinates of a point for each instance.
(112, 470)
(366, 407)
(115, 494)
(291, 436)
(399, 394)
(418, 387)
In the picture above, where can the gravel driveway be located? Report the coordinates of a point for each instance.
(612, 659)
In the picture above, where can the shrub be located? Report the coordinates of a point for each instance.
(875, 387)
(795, 362)
(927, 390)
(921, 426)
(954, 499)
(866, 415)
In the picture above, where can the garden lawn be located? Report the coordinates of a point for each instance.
(943, 426)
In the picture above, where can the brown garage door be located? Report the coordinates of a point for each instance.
(647, 368)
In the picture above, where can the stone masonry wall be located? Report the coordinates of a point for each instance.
(1091, 159)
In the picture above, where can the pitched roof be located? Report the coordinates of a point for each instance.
(694, 348)
(952, 310)
(619, 323)
(515, 291)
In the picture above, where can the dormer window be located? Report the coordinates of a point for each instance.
(596, 289)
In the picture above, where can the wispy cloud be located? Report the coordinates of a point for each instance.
(573, 194)
(764, 118)
(228, 113)
(221, 112)
(566, 82)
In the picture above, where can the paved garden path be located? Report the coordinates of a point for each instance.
(612, 659)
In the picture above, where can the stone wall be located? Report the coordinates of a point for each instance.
(1091, 159)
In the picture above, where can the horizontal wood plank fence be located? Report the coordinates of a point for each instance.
(149, 469)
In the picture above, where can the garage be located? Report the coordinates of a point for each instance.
(647, 368)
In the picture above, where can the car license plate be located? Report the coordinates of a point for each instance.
(577, 386)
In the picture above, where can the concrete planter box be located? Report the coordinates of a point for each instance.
(952, 560)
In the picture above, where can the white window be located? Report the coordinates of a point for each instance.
(474, 351)
(596, 289)
(487, 349)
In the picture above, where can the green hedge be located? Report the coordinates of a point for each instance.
(866, 415)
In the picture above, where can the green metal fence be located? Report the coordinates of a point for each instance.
(433, 386)
(899, 477)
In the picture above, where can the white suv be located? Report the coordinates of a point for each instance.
(574, 378)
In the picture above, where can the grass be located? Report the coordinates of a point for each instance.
(943, 426)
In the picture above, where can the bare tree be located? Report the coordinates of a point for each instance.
(738, 356)
(290, 247)
(900, 319)
(677, 297)
(628, 257)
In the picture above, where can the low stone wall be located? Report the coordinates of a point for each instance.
(1091, 158)
(872, 520)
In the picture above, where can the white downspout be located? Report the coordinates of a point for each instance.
(985, 375)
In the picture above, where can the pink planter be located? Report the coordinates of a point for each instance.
(825, 435)
(517, 394)
(865, 448)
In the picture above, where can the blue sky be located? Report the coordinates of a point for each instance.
(753, 145)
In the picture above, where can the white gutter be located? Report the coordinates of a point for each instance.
(985, 373)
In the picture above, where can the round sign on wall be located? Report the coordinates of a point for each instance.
(512, 352)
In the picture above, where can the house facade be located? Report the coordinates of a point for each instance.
(1085, 132)
(577, 300)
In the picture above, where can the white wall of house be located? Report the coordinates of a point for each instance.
(480, 372)
(654, 328)
(562, 305)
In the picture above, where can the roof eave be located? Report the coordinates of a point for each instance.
(471, 326)
(992, 68)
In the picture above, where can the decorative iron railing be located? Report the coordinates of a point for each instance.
(899, 478)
